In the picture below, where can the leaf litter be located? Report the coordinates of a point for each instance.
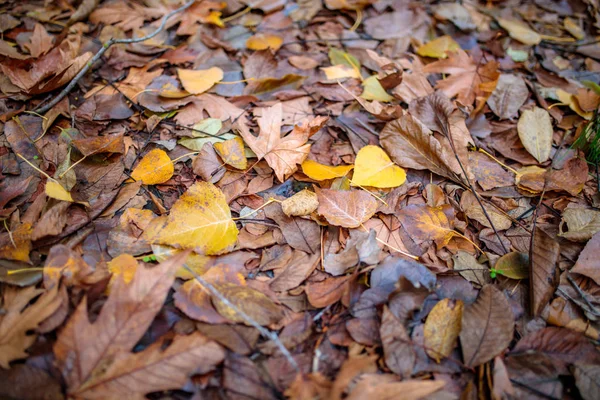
(299, 199)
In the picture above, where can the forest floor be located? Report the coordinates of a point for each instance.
(267, 199)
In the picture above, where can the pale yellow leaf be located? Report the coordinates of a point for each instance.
(263, 41)
(438, 48)
(340, 72)
(199, 81)
(519, 31)
(373, 167)
(535, 132)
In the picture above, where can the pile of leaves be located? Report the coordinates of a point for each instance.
(338, 199)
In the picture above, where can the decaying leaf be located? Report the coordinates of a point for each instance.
(513, 265)
(199, 220)
(579, 224)
(487, 327)
(301, 204)
(442, 328)
(346, 208)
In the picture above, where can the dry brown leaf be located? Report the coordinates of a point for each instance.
(252, 302)
(425, 223)
(487, 327)
(543, 257)
(579, 224)
(346, 208)
(301, 204)
(471, 207)
(386, 387)
(398, 350)
(588, 262)
(20, 318)
(508, 97)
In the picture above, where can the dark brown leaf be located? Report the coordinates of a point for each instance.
(542, 257)
(397, 346)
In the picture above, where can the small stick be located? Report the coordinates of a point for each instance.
(100, 53)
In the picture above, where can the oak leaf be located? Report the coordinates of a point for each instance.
(373, 167)
(346, 208)
(200, 220)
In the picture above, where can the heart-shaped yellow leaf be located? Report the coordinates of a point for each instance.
(155, 168)
(232, 152)
(199, 81)
(263, 41)
(321, 172)
(373, 167)
(199, 220)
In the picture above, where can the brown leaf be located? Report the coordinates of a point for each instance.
(571, 178)
(194, 301)
(361, 247)
(487, 327)
(442, 327)
(300, 266)
(82, 348)
(112, 143)
(579, 224)
(301, 234)
(588, 264)
(252, 302)
(18, 319)
(471, 207)
(321, 294)
(40, 42)
(351, 368)
(543, 257)
(27, 382)
(467, 77)
(52, 221)
(208, 165)
(385, 387)
(508, 97)
(425, 223)
(155, 369)
(411, 144)
(398, 349)
(587, 378)
(346, 208)
(237, 338)
(488, 173)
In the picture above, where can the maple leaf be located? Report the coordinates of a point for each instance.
(281, 153)
(467, 77)
(18, 319)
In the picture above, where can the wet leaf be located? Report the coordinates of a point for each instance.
(442, 327)
(346, 208)
(487, 327)
(200, 220)
(155, 168)
(373, 167)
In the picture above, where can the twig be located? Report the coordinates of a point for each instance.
(103, 50)
(263, 331)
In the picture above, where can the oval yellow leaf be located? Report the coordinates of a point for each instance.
(232, 152)
(442, 328)
(341, 72)
(155, 168)
(263, 41)
(372, 90)
(438, 48)
(373, 167)
(56, 191)
(199, 81)
(321, 172)
(200, 220)
(520, 31)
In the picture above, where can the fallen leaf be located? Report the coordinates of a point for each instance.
(208, 126)
(543, 257)
(263, 41)
(468, 267)
(199, 81)
(40, 42)
(263, 86)
(154, 168)
(520, 31)
(535, 132)
(467, 78)
(508, 96)
(376, 386)
(399, 354)
(20, 318)
(471, 207)
(571, 100)
(16, 244)
(571, 178)
(588, 263)
(321, 172)
(362, 247)
(373, 167)
(457, 14)
(252, 302)
(56, 191)
(300, 233)
(439, 47)
(24, 381)
(513, 265)
(487, 327)
(336, 72)
(372, 90)
(301, 204)
(346, 208)
(200, 220)
(579, 224)
(207, 164)
(122, 267)
(327, 292)
(587, 379)
(232, 152)
(442, 327)
(427, 223)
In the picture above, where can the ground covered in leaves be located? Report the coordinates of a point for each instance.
(265, 199)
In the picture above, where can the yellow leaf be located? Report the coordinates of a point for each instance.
(17, 245)
(321, 172)
(571, 101)
(438, 48)
(341, 72)
(263, 41)
(232, 152)
(199, 220)
(573, 28)
(198, 263)
(56, 191)
(520, 31)
(123, 265)
(208, 126)
(215, 18)
(442, 328)
(374, 168)
(374, 91)
(199, 81)
(155, 168)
